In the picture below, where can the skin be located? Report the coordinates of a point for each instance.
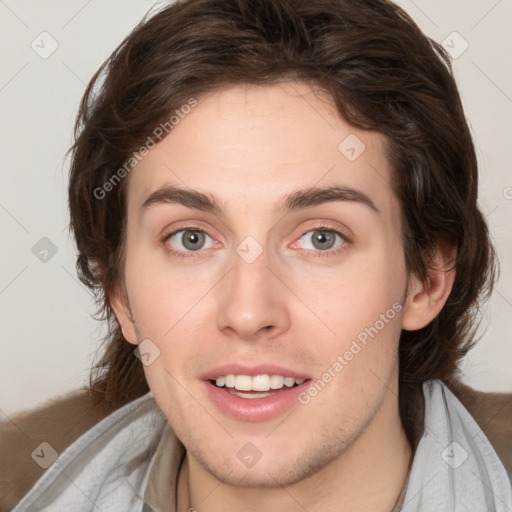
(249, 146)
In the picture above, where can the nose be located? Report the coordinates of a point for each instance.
(253, 301)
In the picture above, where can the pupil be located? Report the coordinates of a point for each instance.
(324, 239)
(192, 240)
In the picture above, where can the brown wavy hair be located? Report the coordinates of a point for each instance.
(383, 73)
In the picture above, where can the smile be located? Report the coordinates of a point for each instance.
(260, 383)
(255, 398)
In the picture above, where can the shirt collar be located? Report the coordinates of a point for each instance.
(161, 487)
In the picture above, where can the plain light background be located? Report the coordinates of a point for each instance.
(48, 335)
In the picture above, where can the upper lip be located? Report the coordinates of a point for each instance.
(252, 370)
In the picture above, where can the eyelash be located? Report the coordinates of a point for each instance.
(315, 254)
(172, 252)
(329, 252)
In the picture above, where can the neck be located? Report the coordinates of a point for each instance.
(368, 476)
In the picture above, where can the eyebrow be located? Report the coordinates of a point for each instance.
(303, 198)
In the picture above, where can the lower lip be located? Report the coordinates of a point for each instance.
(254, 409)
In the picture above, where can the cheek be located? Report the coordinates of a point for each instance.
(163, 297)
(348, 298)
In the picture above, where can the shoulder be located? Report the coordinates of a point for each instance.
(493, 413)
(57, 422)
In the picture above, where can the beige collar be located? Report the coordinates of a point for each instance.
(161, 487)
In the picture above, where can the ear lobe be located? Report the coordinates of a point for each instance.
(426, 299)
(124, 316)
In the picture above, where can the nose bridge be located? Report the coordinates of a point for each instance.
(251, 300)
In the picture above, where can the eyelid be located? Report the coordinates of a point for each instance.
(190, 225)
(180, 253)
(320, 226)
(327, 252)
(176, 232)
(325, 225)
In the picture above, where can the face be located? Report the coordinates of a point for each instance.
(265, 275)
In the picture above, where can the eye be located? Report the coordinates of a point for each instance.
(321, 239)
(188, 240)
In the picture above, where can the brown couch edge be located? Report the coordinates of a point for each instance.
(58, 422)
(493, 413)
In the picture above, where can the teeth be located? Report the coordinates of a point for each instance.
(256, 383)
(260, 383)
(248, 395)
(243, 383)
(276, 382)
(289, 382)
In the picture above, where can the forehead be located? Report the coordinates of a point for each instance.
(251, 145)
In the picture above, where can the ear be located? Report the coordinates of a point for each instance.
(123, 314)
(425, 299)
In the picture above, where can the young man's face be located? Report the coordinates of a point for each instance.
(260, 289)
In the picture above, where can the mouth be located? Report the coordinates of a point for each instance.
(258, 386)
(255, 396)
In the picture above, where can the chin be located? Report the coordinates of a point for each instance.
(278, 468)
